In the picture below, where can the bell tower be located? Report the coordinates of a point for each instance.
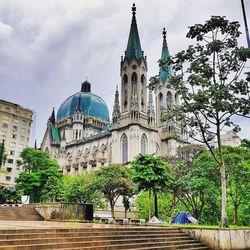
(133, 74)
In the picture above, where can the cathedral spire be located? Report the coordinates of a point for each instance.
(116, 115)
(165, 73)
(53, 117)
(134, 46)
(151, 111)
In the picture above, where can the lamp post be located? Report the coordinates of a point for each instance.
(1, 154)
(245, 22)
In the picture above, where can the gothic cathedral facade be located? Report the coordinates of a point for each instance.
(81, 137)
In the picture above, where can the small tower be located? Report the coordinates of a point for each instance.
(151, 111)
(116, 115)
(53, 130)
(133, 74)
(165, 95)
(78, 118)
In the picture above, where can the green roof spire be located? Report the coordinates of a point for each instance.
(164, 74)
(134, 46)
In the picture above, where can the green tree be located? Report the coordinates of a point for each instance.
(81, 189)
(237, 162)
(113, 181)
(209, 82)
(41, 178)
(152, 174)
(245, 143)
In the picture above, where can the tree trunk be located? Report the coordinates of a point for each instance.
(235, 214)
(172, 210)
(112, 209)
(125, 211)
(156, 205)
(223, 181)
(149, 204)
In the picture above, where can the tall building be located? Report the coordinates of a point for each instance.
(81, 136)
(15, 124)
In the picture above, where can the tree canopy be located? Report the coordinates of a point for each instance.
(113, 181)
(41, 178)
(210, 84)
(150, 173)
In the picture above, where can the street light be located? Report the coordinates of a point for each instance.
(1, 154)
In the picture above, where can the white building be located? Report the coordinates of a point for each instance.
(81, 136)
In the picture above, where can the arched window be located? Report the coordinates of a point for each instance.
(80, 134)
(124, 146)
(169, 100)
(134, 83)
(142, 92)
(125, 89)
(157, 149)
(144, 143)
(76, 134)
(160, 100)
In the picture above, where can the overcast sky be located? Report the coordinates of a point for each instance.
(48, 47)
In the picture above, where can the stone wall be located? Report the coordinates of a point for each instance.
(65, 211)
(222, 239)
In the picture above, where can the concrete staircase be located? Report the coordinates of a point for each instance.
(19, 214)
(98, 238)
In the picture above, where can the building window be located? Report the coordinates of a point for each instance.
(5, 125)
(143, 144)
(12, 152)
(8, 178)
(169, 100)
(10, 161)
(9, 170)
(157, 149)
(125, 86)
(4, 134)
(124, 142)
(7, 109)
(14, 136)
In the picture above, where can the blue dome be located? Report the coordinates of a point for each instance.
(91, 105)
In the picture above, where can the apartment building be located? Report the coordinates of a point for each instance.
(15, 125)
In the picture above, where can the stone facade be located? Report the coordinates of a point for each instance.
(81, 137)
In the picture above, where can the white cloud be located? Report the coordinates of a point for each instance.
(49, 46)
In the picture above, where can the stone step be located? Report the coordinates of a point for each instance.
(87, 234)
(90, 229)
(19, 214)
(89, 239)
(136, 244)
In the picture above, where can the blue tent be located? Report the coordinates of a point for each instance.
(184, 218)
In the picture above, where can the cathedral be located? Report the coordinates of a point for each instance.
(82, 137)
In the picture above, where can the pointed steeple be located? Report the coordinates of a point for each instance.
(53, 117)
(151, 111)
(134, 46)
(116, 115)
(164, 74)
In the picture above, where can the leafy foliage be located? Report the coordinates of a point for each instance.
(113, 181)
(41, 178)
(209, 82)
(150, 173)
(81, 189)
